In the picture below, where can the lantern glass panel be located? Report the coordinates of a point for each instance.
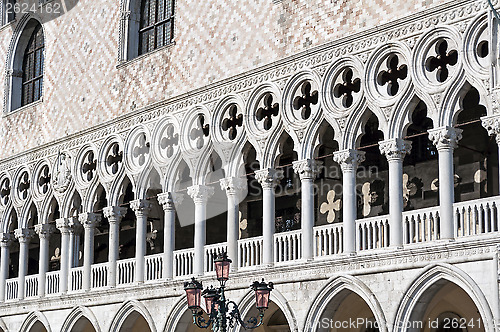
(193, 298)
(222, 269)
(262, 298)
(209, 300)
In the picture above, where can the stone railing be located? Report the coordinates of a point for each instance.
(372, 233)
(471, 218)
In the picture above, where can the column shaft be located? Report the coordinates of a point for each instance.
(141, 209)
(4, 263)
(233, 187)
(167, 201)
(114, 214)
(200, 195)
(43, 264)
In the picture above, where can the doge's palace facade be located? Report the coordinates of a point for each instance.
(348, 151)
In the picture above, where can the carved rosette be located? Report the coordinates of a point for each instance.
(395, 149)
(200, 193)
(44, 230)
(232, 185)
(141, 207)
(349, 159)
(492, 126)
(114, 213)
(307, 168)
(445, 138)
(24, 235)
(268, 178)
(89, 219)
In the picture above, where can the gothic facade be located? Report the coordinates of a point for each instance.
(346, 151)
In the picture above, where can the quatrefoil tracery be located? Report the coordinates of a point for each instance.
(24, 185)
(305, 100)
(231, 123)
(44, 179)
(346, 89)
(392, 75)
(267, 112)
(141, 150)
(200, 131)
(5, 191)
(442, 61)
(114, 158)
(89, 166)
(169, 141)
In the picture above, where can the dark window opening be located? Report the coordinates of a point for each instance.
(157, 24)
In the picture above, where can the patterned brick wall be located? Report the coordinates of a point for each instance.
(214, 40)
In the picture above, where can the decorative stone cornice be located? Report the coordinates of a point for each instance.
(492, 125)
(268, 178)
(445, 138)
(232, 185)
(395, 149)
(44, 230)
(89, 219)
(200, 193)
(349, 159)
(141, 207)
(24, 235)
(307, 168)
(114, 213)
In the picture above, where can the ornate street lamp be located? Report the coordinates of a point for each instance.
(222, 313)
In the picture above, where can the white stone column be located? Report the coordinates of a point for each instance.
(307, 170)
(89, 222)
(200, 195)
(233, 186)
(141, 207)
(349, 161)
(43, 231)
(5, 241)
(24, 236)
(446, 140)
(66, 226)
(492, 125)
(114, 214)
(395, 150)
(268, 179)
(168, 203)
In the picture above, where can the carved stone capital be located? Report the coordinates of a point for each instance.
(166, 200)
(307, 168)
(200, 193)
(445, 138)
(114, 213)
(232, 185)
(268, 178)
(140, 207)
(89, 219)
(24, 235)
(5, 239)
(492, 125)
(395, 149)
(67, 225)
(44, 230)
(349, 159)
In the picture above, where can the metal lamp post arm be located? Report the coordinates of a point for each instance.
(201, 322)
(497, 16)
(251, 323)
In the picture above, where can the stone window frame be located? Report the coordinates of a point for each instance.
(14, 64)
(128, 41)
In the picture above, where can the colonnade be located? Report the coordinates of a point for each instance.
(444, 138)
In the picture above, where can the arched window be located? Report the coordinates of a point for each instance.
(33, 68)
(25, 64)
(157, 24)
